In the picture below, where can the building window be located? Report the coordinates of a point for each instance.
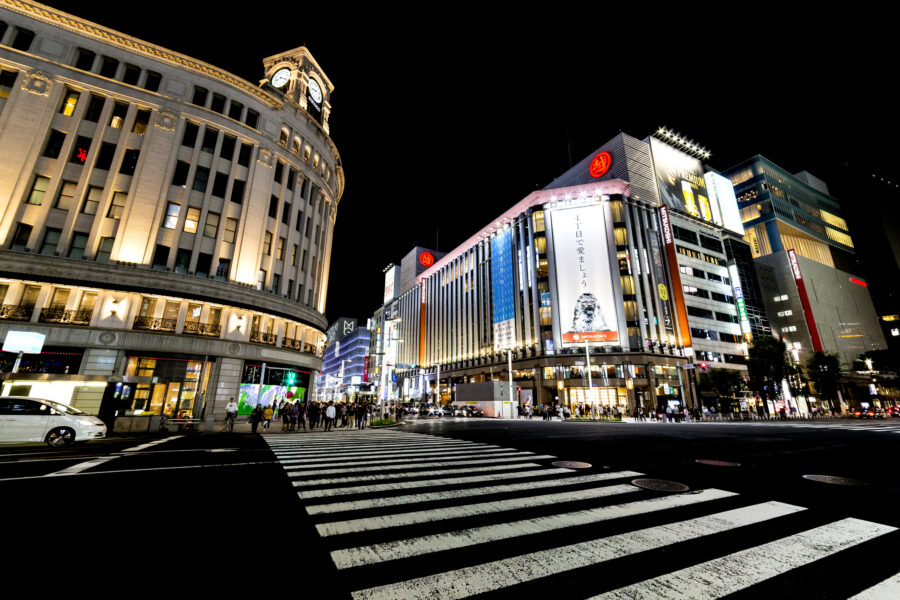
(94, 108)
(92, 202)
(237, 191)
(183, 261)
(160, 257)
(279, 253)
(267, 244)
(131, 74)
(273, 207)
(7, 81)
(303, 261)
(181, 173)
(79, 243)
(306, 152)
(230, 230)
(212, 225)
(70, 101)
(22, 39)
(209, 140)
(151, 83)
(120, 111)
(189, 138)
(276, 283)
(200, 95)
(192, 220)
(171, 219)
(235, 110)
(20, 239)
(252, 119)
(218, 103)
(105, 156)
(84, 59)
(54, 144)
(66, 196)
(244, 155)
(118, 205)
(294, 256)
(204, 265)
(129, 161)
(223, 269)
(38, 189)
(80, 150)
(201, 179)
(283, 138)
(51, 240)
(279, 172)
(108, 67)
(261, 279)
(140, 122)
(105, 249)
(295, 146)
(220, 184)
(292, 178)
(228, 145)
(286, 213)
(308, 226)
(299, 222)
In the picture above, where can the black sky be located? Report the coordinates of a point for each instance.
(445, 119)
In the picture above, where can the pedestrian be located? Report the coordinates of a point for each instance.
(295, 412)
(255, 417)
(687, 415)
(669, 413)
(285, 413)
(329, 417)
(268, 413)
(343, 414)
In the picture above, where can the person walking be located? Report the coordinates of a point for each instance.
(295, 413)
(255, 417)
(343, 414)
(268, 413)
(329, 417)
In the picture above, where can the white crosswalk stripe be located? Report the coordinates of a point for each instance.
(416, 494)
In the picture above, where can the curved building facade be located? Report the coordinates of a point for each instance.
(165, 224)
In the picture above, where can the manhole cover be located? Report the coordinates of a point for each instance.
(834, 480)
(660, 485)
(717, 463)
(572, 464)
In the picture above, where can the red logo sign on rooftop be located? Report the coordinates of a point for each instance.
(427, 259)
(600, 165)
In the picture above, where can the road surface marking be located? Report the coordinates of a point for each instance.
(498, 574)
(467, 510)
(169, 468)
(75, 469)
(889, 589)
(352, 557)
(729, 574)
(415, 485)
(317, 509)
(395, 457)
(420, 465)
(353, 450)
(350, 478)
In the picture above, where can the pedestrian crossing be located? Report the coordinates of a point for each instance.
(872, 426)
(409, 515)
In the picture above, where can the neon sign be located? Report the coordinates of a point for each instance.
(600, 165)
(427, 259)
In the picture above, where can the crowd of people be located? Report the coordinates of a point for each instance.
(325, 415)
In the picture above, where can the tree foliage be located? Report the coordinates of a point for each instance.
(824, 370)
(766, 365)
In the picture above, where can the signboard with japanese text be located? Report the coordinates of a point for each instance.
(503, 290)
(659, 272)
(588, 305)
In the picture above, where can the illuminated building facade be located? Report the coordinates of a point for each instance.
(163, 218)
(806, 262)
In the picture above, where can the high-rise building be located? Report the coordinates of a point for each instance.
(165, 224)
(815, 296)
(345, 364)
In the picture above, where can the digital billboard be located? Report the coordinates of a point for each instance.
(680, 180)
(252, 394)
(390, 281)
(503, 290)
(724, 203)
(587, 309)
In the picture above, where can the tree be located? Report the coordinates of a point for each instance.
(724, 383)
(824, 370)
(767, 358)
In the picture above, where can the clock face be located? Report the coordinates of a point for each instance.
(281, 77)
(315, 92)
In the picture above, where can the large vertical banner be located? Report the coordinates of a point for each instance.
(659, 273)
(680, 180)
(503, 290)
(684, 330)
(587, 310)
(804, 300)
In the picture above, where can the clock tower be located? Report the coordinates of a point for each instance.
(298, 77)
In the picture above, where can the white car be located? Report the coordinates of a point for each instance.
(39, 420)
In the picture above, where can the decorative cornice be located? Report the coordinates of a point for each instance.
(109, 36)
(36, 82)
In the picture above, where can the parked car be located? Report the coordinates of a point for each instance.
(473, 411)
(435, 411)
(39, 420)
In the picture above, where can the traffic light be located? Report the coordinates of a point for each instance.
(290, 378)
(702, 366)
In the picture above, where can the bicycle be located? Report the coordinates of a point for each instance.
(229, 422)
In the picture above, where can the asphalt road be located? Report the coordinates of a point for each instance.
(444, 508)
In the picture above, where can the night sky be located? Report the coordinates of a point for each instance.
(445, 119)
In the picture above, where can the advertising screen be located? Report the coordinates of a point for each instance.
(502, 290)
(724, 203)
(680, 180)
(389, 283)
(252, 394)
(587, 308)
